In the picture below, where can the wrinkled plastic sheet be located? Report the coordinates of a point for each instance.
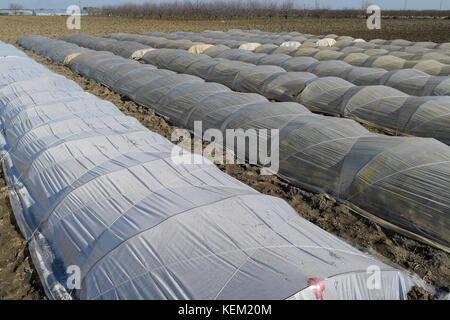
(122, 48)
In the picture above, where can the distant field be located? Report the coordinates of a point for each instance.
(437, 30)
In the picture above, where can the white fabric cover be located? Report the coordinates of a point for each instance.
(326, 42)
(401, 57)
(291, 44)
(200, 48)
(139, 54)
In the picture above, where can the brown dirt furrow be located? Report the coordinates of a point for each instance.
(18, 278)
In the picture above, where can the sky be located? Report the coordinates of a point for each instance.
(333, 4)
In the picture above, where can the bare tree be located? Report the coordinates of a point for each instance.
(238, 9)
(15, 7)
(286, 8)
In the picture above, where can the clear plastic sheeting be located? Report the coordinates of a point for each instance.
(291, 44)
(351, 65)
(330, 95)
(58, 53)
(405, 43)
(418, 47)
(335, 156)
(380, 105)
(93, 188)
(285, 86)
(124, 49)
(398, 44)
(419, 84)
(325, 42)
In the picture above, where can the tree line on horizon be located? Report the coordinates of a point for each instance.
(232, 9)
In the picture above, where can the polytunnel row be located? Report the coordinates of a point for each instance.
(235, 41)
(397, 44)
(411, 81)
(396, 111)
(434, 64)
(387, 62)
(335, 156)
(361, 56)
(93, 188)
(358, 51)
(406, 43)
(362, 48)
(347, 45)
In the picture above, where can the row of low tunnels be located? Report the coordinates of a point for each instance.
(397, 44)
(378, 105)
(431, 61)
(87, 187)
(91, 187)
(332, 155)
(346, 44)
(412, 81)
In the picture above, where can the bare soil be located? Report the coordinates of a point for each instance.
(18, 278)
